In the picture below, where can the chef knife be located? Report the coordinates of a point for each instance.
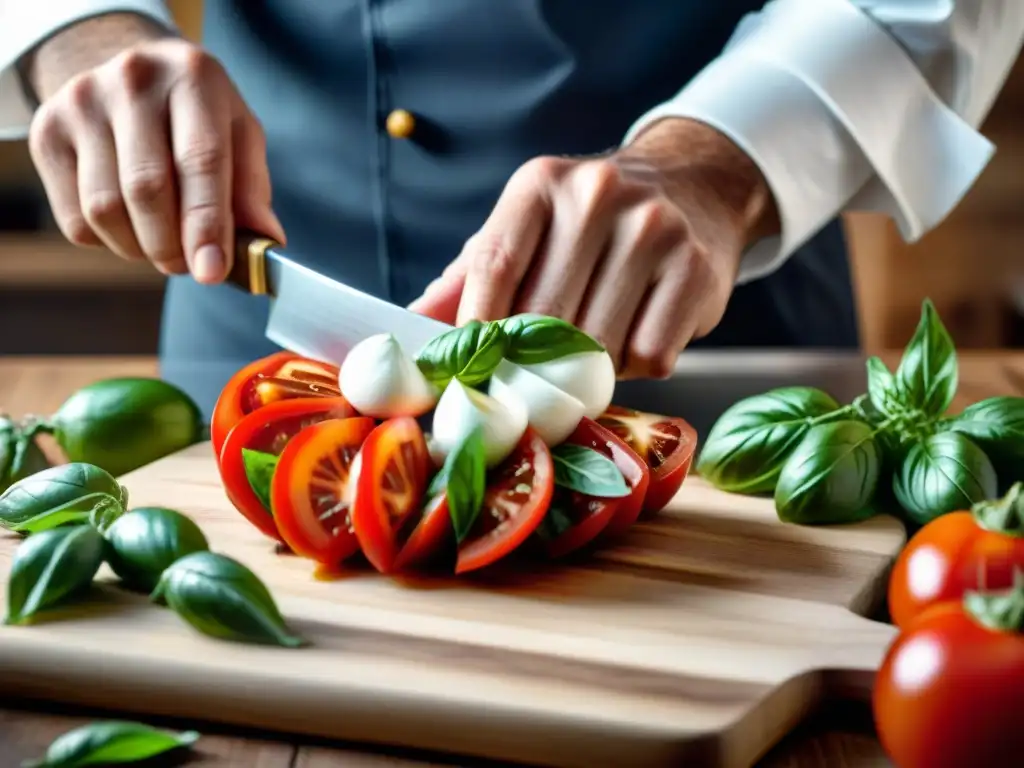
(315, 316)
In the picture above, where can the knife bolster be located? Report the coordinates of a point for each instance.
(249, 271)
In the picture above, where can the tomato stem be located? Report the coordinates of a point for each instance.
(1005, 515)
(1002, 611)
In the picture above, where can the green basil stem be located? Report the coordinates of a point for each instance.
(1005, 515)
(1002, 611)
(32, 425)
(71, 512)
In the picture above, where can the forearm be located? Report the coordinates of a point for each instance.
(857, 105)
(83, 46)
(700, 167)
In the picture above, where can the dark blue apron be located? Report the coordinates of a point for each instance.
(492, 83)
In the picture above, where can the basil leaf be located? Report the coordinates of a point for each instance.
(67, 488)
(20, 457)
(110, 742)
(944, 472)
(51, 568)
(747, 446)
(831, 476)
(222, 598)
(996, 425)
(259, 471)
(884, 393)
(582, 469)
(536, 339)
(469, 354)
(556, 521)
(928, 374)
(144, 542)
(464, 478)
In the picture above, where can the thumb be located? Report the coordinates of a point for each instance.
(251, 190)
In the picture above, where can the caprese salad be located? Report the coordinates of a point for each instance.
(522, 448)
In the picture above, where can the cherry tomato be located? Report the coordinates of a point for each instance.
(950, 693)
(279, 376)
(665, 443)
(518, 495)
(388, 485)
(268, 430)
(431, 536)
(957, 552)
(310, 492)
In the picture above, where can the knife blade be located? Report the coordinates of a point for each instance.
(315, 316)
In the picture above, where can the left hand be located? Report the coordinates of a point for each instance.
(639, 248)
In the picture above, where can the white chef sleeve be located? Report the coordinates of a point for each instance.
(26, 23)
(867, 105)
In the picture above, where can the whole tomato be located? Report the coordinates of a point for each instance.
(957, 552)
(950, 693)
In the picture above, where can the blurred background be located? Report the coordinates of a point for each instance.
(57, 299)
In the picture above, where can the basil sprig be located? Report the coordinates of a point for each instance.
(63, 495)
(585, 470)
(746, 448)
(463, 476)
(52, 568)
(536, 339)
(259, 471)
(222, 598)
(110, 743)
(469, 353)
(820, 459)
(145, 541)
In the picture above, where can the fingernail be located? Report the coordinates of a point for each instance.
(208, 264)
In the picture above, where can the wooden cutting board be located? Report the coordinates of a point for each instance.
(701, 639)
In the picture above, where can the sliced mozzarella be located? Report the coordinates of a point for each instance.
(462, 409)
(549, 410)
(587, 376)
(381, 380)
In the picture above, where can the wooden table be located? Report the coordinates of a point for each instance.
(839, 738)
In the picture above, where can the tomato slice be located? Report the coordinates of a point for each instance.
(518, 495)
(575, 519)
(388, 486)
(268, 430)
(311, 490)
(665, 443)
(280, 376)
(430, 537)
(633, 468)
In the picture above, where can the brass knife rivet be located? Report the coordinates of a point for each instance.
(257, 253)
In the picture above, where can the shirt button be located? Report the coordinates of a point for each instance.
(401, 124)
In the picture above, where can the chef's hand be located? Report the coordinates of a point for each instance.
(639, 248)
(153, 154)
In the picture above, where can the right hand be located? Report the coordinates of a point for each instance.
(154, 155)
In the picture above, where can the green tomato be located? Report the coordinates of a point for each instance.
(123, 424)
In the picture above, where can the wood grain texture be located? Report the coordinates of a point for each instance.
(838, 741)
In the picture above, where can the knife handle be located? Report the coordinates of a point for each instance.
(249, 270)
